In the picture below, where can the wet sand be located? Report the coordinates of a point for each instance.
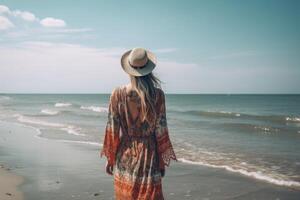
(57, 170)
(9, 183)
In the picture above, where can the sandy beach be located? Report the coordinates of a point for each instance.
(63, 170)
(9, 183)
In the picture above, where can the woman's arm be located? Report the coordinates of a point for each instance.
(164, 145)
(112, 132)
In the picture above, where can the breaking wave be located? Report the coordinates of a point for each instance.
(227, 114)
(94, 108)
(70, 129)
(62, 104)
(30, 120)
(4, 98)
(254, 174)
(73, 130)
(49, 112)
(293, 119)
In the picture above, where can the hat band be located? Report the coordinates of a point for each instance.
(138, 67)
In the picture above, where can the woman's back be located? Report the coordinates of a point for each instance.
(129, 107)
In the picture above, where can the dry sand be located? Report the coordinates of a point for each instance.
(9, 183)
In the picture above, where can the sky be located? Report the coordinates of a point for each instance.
(212, 46)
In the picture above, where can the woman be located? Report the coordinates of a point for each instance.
(136, 142)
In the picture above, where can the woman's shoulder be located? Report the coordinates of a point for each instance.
(115, 93)
(115, 90)
(160, 93)
(159, 90)
(119, 92)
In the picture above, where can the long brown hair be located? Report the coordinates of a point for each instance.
(145, 87)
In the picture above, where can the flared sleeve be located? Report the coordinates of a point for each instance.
(112, 130)
(164, 145)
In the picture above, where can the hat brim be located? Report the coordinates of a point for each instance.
(138, 71)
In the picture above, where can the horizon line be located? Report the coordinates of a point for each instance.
(50, 93)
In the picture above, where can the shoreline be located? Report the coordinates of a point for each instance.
(9, 185)
(259, 177)
(65, 170)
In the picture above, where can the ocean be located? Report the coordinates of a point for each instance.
(254, 135)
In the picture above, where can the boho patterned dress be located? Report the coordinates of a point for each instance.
(138, 150)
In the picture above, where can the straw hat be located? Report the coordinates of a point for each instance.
(138, 62)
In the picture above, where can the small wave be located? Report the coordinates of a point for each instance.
(5, 98)
(49, 112)
(227, 114)
(257, 175)
(292, 119)
(82, 142)
(214, 113)
(30, 120)
(67, 128)
(266, 129)
(39, 133)
(249, 127)
(73, 130)
(62, 104)
(94, 108)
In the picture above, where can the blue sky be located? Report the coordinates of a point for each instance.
(201, 46)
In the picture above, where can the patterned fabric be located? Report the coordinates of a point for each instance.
(138, 150)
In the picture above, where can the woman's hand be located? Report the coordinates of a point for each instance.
(162, 171)
(109, 168)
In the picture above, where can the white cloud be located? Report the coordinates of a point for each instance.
(59, 67)
(72, 30)
(25, 15)
(11, 15)
(62, 67)
(5, 23)
(4, 9)
(52, 22)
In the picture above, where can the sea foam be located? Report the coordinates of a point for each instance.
(94, 108)
(39, 133)
(62, 104)
(30, 120)
(257, 175)
(64, 127)
(4, 98)
(292, 119)
(73, 130)
(49, 112)
(82, 142)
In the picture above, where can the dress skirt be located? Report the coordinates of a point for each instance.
(138, 150)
